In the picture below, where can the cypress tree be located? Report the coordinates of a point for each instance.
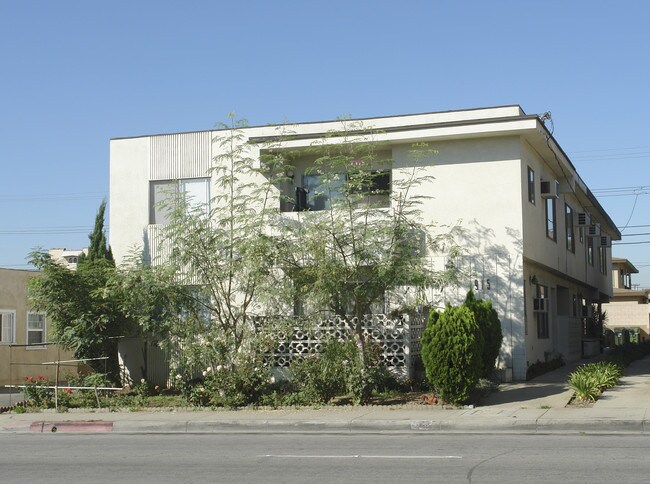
(98, 248)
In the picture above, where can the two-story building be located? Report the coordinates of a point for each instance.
(536, 241)
(629, 308)
(24, 345)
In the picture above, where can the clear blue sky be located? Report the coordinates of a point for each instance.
(74, 74)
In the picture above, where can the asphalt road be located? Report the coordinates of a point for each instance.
(315, 458)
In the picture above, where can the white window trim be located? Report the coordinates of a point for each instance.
(38, 346)
(13, 329)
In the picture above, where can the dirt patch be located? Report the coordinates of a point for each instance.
(576, 403)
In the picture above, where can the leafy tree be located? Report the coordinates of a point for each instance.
(225, 254)
(85, 316)
(490, 328)
(452, 352)
(246, 260)
(93, 307)
(367, 241)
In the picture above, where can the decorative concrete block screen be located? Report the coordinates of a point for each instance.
(400, 339)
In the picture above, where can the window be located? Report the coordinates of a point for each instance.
(531, 185)
(602, 260)
(7, 326)
(551, 229)
(323, 189)
(590, 250)
(540, 308)
(365, 189)
(570, 235)
(163, 193)
(35, 328)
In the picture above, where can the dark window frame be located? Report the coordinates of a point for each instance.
(551, 222)
(570, 232)
(531, 186)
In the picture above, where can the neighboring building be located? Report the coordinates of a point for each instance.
(23, 333)
(629, 308)
(67, 257)
(537, 242)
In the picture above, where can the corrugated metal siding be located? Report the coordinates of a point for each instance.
(158, 366)
(159, 251)
(186, 155)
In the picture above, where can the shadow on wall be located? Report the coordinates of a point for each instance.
(492, 266)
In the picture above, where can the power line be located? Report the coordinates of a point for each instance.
(72, 229)
(53, 197)
(619, 189)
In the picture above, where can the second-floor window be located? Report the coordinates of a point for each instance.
(590, 250)
(321, 191)
(531, 185)
(570, 234)
(551, 228)
(602, 260)
(163, 193)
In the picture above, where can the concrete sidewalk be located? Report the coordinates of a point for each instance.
(533, 407)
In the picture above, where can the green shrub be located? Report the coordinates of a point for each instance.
(234, 387)
(584, 386)
(319, 377)
(540, 367)
(490, 329)
(452, 353)
(606, 373)
(338, 370)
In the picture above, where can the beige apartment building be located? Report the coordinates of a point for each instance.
(628, 308)
(24, 343)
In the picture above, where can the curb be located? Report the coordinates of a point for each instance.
(527, 426)
(72, 426)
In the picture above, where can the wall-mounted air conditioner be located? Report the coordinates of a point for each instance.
(550, 189)
(539, 304)
(605, 241)
(593, 230)
(583, 219)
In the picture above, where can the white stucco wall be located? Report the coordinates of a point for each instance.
(129, 195)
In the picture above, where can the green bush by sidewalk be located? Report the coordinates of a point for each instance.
(452, 353)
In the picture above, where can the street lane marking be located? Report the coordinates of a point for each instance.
(296, 456)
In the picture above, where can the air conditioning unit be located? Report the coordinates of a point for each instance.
(539, 304)
(550, 189)
(605, 241)
(583, 219)
(593, 230)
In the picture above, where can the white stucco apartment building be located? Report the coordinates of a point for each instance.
(536, 240)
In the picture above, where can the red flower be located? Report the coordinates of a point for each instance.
(68, 390)
(30, 378)
(40, 377)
